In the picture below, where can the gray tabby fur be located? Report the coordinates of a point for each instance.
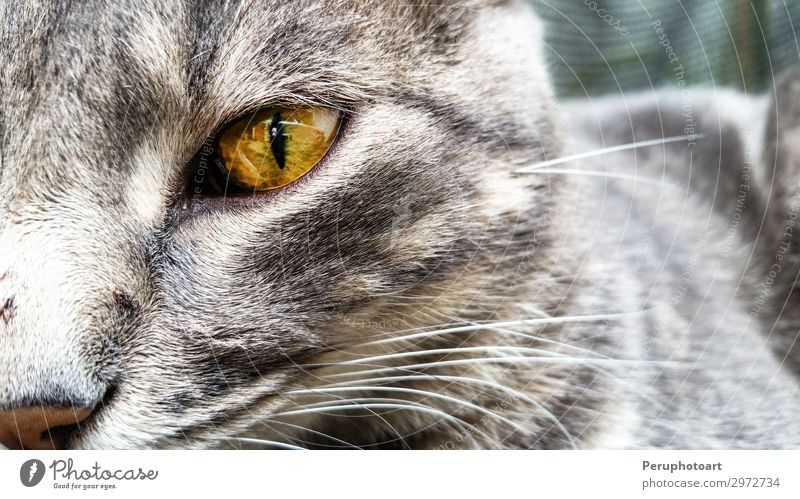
(570, 310)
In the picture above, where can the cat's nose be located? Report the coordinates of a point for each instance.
(38, 427)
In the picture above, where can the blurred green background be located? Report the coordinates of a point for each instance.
(613, 46)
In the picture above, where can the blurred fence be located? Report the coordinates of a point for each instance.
(602, 46)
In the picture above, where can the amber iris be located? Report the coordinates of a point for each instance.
(276, 146)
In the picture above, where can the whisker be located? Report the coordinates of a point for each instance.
(617, 377)
(462, 379)
(521, 322)
(563, 359)
(413, 369)
(316, 432)
(363, 403)
(355, 401)
(426, 393)
(258, 441)
(445, 351)
(383, 420)
(508, 332)
(611, 149)
(406, 406)
(487, 360)
(414, 373)
(549, 341)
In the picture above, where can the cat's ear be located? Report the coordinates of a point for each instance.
(778, 276)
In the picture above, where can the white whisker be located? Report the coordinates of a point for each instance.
(607, 150)
(258, 441)
(533, 337)
(316, 432)
(365, 403)
(354, 401)
(417, 407)
(445, 351)
(425, 393)
(521, 322)
(478, 381)
(488, 360)
(508, 332)
(375, 414)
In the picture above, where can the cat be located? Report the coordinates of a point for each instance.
(444, 277)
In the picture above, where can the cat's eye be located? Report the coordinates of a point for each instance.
(275, 146)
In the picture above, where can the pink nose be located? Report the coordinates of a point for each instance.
(32, 427)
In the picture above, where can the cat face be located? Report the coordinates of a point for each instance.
(176, 318)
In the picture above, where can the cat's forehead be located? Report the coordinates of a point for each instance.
(195, 37)
(137, 65)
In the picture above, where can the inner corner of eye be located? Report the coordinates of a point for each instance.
(273, 147)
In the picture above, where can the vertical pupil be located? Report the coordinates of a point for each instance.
(277, 137)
